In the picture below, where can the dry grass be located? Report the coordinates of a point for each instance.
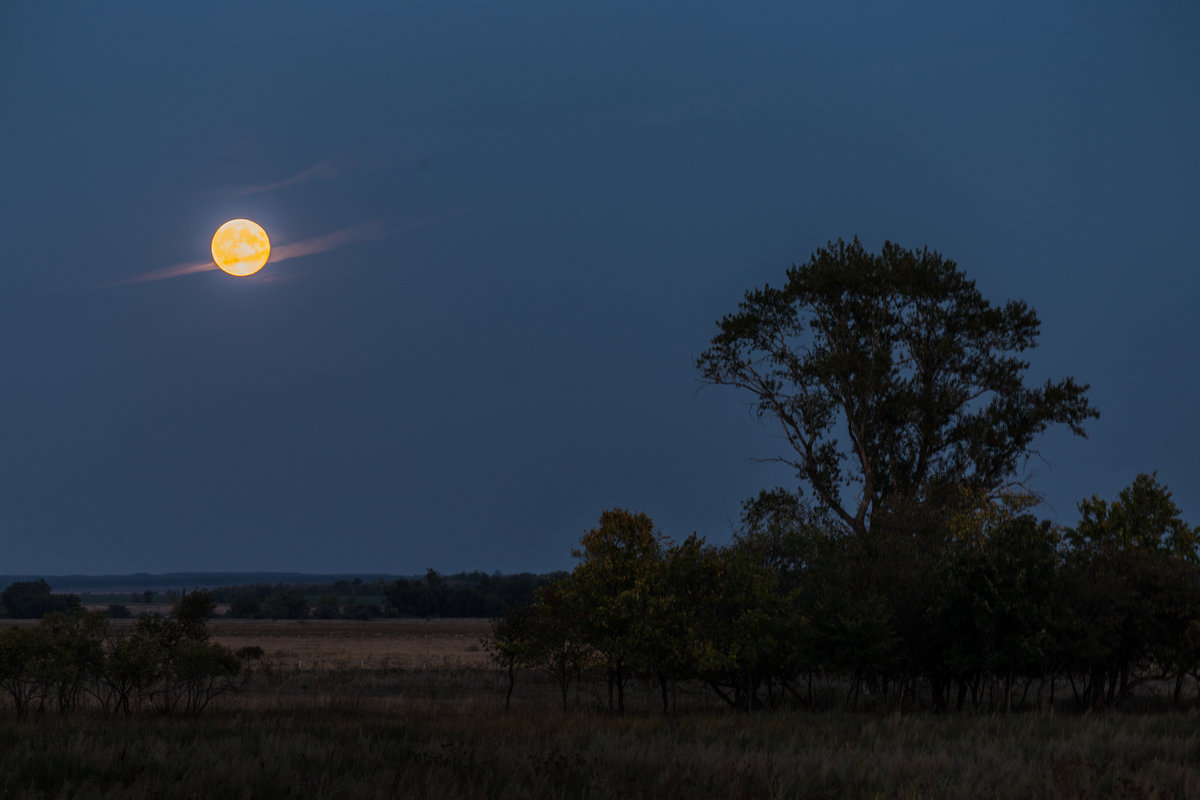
(320, 644)
(320, 747)
(410, 644)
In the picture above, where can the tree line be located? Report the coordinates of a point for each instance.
(464, 594)
(162, 666)
(1002, 611)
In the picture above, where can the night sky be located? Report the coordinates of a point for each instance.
(513, 227)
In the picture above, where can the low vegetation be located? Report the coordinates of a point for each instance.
(443, 733)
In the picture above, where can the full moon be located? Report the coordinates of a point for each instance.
(241, 247)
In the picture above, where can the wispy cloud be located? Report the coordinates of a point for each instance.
(176, 271)
(363, 232)
(324, 170)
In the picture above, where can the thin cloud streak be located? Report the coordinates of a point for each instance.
(363, 232)
(176, 271)
(323, 170)
(368, 231)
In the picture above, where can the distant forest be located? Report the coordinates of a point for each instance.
(282, 595)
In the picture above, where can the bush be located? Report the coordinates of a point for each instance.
(118, 611)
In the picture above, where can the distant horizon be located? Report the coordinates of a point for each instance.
(164, 581)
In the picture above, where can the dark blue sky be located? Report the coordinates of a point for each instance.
(573, 196)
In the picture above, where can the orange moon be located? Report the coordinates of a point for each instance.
(241, 247)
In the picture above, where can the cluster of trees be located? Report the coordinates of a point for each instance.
(465, 594)
(33, 600)
(160, 665)
(910, 568)
(473, 594)
(1002, 611)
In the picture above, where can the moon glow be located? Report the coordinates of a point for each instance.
(241, 247)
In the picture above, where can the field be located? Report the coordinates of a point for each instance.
(408, 644)
(412, 708)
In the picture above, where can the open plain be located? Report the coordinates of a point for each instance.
(409, 644)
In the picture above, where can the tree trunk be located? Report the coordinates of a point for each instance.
(512, 680)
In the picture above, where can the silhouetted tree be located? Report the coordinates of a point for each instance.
(118, 611)
(285, 603)
(894, 382)
(510, 645)
(33, 599)
(1132, 592)
(244, 602)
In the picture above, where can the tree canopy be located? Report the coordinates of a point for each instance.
(898, 387)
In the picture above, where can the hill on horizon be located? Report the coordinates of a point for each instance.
(167, 581)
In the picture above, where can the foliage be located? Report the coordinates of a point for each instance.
(118, 611)
(1143, 519)
(473, 594)
(163, 665)
(285, 604)
(619, 577)
(1132, 583)
(33, 599)
(244, 602)
(902, 356)
(998, 606)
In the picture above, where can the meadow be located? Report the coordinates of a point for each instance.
(414, 708)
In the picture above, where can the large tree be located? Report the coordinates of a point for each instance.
(897, 386)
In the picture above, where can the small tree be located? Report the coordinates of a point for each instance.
(192, 611)
(118, 611)
(132, 664)
(556, 634)
(618, 574)
(509, 644)
(20, 650)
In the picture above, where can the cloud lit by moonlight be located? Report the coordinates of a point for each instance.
(363, 232)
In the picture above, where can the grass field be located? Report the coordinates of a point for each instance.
(411, 708)
(409, 644)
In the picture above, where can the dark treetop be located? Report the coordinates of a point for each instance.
(895, 383)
